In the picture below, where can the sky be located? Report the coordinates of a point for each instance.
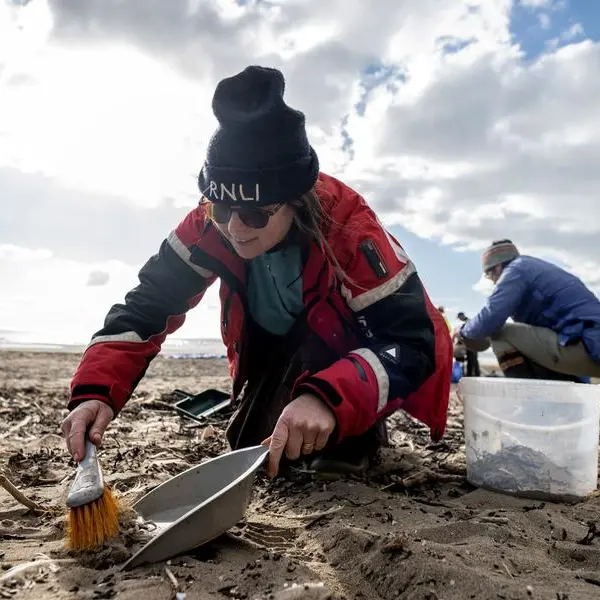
(459, 122)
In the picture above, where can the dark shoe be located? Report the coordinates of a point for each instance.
(353, 456)
(340, 465)
(514, 364)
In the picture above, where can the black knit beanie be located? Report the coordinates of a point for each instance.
(259, 153)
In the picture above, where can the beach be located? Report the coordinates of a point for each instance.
(412, 528)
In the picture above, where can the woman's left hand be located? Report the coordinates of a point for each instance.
(303, 427)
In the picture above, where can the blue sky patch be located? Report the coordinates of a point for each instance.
(540, 29)
(375, 75)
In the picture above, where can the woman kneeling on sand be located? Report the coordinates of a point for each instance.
(327, 326)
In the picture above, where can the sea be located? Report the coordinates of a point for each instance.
(176, 348)
(172, 348)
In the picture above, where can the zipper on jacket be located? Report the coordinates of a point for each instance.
(226, 306)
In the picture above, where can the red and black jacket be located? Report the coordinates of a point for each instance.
(394, 345)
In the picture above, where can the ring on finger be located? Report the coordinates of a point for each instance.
(308, 447)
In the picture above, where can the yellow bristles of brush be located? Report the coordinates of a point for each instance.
(93, 510)
(90, 525)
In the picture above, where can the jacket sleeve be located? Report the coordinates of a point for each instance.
(503, 303)
(118, 355)
(398, 354)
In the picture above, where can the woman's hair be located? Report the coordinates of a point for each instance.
(312, 220)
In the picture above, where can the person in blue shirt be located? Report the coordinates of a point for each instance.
(555, 333)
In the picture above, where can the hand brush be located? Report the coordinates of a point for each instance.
(94, 513)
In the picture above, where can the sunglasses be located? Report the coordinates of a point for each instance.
(254, 217)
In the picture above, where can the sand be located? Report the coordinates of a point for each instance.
(413, 528)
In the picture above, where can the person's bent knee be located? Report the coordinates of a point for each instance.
(501, 347)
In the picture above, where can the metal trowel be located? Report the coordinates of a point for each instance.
(197, 505)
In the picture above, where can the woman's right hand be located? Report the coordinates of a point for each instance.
(92, 415)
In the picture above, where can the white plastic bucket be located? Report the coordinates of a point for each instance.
(531, 437)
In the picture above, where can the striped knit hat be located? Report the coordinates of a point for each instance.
(499, 252)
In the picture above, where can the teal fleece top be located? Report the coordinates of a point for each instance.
(275, 289)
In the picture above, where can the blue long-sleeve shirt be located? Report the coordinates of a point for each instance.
(536, 292)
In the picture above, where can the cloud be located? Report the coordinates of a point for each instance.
(202, 38)
(494, 149)
(80, 118)
(433, 112)
(483, 286)
(573, 32)
(39, 211)
(17, 255)
(51, 299)
(322, 46)
(97, 278)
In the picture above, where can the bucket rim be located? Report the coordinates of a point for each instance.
(471, 387)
